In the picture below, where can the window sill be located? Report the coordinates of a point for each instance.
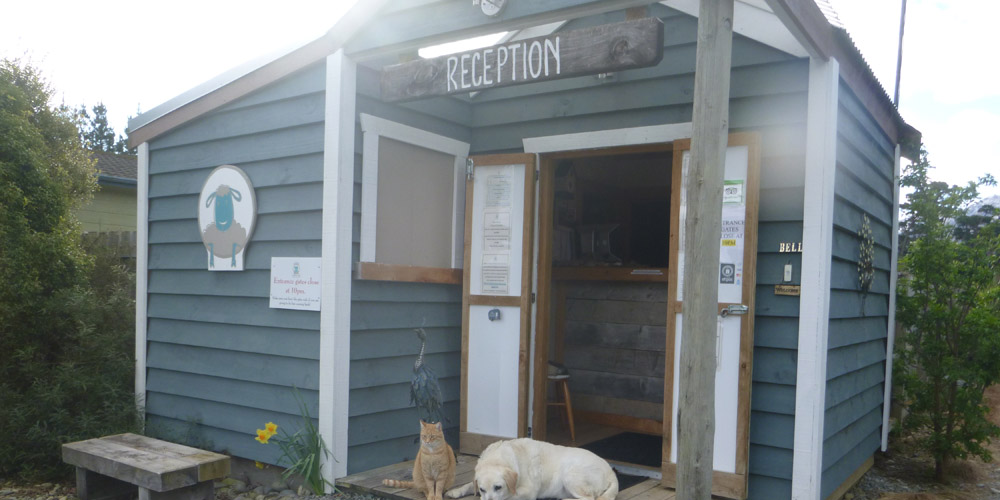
(393, 272)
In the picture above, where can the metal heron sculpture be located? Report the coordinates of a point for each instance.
(425, 392)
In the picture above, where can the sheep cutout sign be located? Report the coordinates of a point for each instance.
(227, 212)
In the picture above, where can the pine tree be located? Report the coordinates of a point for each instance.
(97, 134)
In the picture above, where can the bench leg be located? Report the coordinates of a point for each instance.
(204, 490)
(93, 486)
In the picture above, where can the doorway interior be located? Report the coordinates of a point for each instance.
(604, 247)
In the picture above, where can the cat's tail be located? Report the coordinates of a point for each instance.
(393, 483)
(461, 491)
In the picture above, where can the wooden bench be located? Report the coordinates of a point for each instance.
(112, 467)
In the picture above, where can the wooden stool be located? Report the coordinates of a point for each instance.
(562, 381)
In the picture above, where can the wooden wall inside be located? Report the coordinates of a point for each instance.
(614, 344)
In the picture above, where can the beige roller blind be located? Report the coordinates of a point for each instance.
(415, 205)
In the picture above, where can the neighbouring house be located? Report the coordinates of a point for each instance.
(113, 206)
(523, 203)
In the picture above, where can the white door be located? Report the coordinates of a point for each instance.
(496, 299)
(734, 335)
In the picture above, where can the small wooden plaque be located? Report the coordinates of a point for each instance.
(787, 290)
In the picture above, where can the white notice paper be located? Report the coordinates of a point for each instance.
(496, 273)
(295, 283)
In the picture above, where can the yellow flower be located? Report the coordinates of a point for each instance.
(262, 436)
(271, 428)
(258, 464)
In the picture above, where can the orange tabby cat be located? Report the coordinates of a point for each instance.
(434, 468)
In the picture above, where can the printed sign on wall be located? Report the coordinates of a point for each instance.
(227, 213)
(295, 283)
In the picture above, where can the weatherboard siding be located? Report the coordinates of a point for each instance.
(111, 209)
(857, 334)
(220, 362)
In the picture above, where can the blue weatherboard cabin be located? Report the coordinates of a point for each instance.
(523, 203)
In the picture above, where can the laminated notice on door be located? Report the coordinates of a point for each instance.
(496, 273)
(498, 191)
(496, 231)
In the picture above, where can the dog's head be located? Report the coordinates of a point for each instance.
(496, 482)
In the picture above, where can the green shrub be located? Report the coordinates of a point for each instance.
(949, 307)
(66, 316)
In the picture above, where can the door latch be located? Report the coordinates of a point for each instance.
(494, 314)
(735, 309)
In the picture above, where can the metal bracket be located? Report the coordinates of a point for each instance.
(469, 166)
(734, 309)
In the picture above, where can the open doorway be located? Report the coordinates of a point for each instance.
(604, 247)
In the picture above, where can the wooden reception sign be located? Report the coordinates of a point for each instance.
(601, 49)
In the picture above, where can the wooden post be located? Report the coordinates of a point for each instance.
(703, 229)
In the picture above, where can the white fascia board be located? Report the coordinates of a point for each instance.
(754, 20)
(891, 332)
(141, 271)
(814, 303)
(608, 138)
(335, 302)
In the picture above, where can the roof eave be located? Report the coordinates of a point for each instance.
(110, 180)
(803, 18)
(824, 41)
(243, 80)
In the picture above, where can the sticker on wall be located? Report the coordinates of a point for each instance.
(227, 213)
(727, 273)
(732, 192)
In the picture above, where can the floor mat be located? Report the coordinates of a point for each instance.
(628, 480)
(631, 447)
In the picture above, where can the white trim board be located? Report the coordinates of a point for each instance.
(141, 271)
(335, 302)
(814, 303)
(891, 332)
(754, 20)
(608, 138)
(373, 128)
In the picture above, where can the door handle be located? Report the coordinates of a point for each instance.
(734, 309)
(494, 314)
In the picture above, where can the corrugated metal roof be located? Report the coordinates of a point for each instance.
(830, 13)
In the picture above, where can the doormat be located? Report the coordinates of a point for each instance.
(629, 447)
(628, 480)
(624, 481)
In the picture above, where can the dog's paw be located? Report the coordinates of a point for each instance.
(459, 492)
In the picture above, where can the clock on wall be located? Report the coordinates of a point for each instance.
(492, 7)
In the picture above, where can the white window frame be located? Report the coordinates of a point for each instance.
(373, 128)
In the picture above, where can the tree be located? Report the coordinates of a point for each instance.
(97, 134)
(67, 368)
(949, 307)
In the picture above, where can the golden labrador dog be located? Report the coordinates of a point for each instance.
(525, 469)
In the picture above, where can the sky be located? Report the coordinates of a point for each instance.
(133, 55)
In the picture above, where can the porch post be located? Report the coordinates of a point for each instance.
(141, 272)
(335, 305)
(703, 228)
(814, 303)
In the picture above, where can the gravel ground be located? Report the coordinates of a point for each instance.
(230, 489)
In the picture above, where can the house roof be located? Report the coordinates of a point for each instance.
(116, 168)
(815, 23)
